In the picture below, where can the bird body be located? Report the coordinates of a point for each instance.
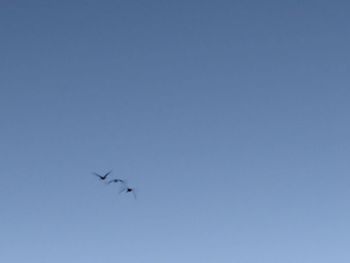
(129, 190)
(116, 181)
(102, 177)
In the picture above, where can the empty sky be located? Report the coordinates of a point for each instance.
(231, 118)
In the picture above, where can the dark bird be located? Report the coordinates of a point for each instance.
(104, 177)
(129, 190)
(116, 181)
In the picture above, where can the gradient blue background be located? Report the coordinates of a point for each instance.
(231, 118)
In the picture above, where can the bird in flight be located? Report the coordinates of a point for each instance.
(129, 190)
(102, 177)
(116, 181)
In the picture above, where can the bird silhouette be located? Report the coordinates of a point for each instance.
(116, 181)
(102, 177)
(129, 190)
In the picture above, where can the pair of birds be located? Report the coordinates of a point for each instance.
(125, 188)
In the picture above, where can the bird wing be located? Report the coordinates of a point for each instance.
(134, 193)
(97, 174)
(107, 173)
(116, 181)
(123, 182)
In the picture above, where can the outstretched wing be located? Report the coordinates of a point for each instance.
(123, 182)
(134, 193)
(116, 181)
(105, 176)
(97, 175)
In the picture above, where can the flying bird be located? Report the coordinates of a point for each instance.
(104, 177)
(129, 190)
(116, 181)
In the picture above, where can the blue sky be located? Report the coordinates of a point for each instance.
(230, 118)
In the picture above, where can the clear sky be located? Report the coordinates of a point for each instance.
(230, 118)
